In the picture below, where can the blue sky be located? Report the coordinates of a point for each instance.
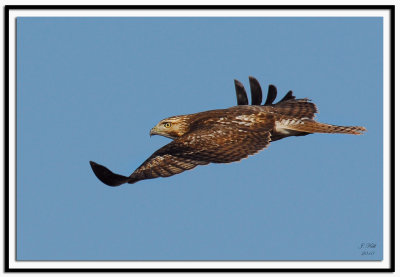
(92, 88)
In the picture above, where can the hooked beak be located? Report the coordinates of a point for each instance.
(153, 132)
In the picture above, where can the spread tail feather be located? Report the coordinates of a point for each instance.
(107, 176)
(311, 126)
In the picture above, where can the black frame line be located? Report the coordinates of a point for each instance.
(7, 9)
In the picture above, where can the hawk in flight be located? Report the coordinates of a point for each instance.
(226, 135)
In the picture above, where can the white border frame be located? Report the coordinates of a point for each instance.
(13, 264)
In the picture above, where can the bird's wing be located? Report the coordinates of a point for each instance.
(218, 144)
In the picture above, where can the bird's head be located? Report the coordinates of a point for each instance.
(171, 127)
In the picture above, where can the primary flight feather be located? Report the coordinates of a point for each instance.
(226, 135)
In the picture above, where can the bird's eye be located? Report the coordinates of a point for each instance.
(167, 124)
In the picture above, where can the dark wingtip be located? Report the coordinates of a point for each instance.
(107, 176)
(241, 95)
(272, 93)
(256, 91)
(288, 96)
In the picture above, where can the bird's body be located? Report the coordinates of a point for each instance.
(224, 136)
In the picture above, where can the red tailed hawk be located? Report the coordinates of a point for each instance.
(226, 135)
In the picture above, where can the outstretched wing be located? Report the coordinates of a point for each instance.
(223, 143)
(215, 145)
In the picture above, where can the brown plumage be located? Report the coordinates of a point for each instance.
(225, 135)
